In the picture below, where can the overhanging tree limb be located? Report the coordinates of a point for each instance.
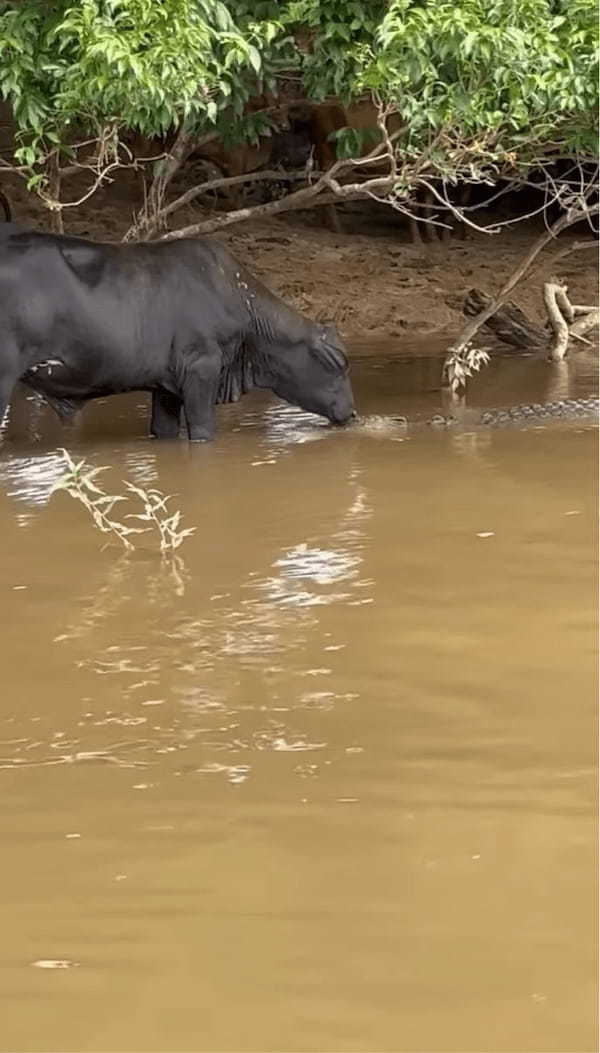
(571, 216)
(325, 191)
(150, 229)
(305, 198)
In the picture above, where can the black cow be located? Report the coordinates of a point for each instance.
(182, 319)
(5, 207)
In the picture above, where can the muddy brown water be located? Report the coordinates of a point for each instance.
(329, 783)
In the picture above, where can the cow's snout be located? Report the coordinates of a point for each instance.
(342, 416)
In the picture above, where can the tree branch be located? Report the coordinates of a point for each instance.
(307, 197)
(587, 321)
(559, 309)
(265, 176)
(577, 246)
(325, 191)
(573, 215)
(181, 149)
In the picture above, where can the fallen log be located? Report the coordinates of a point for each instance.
(509, 324)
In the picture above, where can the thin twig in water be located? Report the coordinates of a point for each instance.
(79, 482)
(156, 513)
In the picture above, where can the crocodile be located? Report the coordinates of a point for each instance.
(530, 413)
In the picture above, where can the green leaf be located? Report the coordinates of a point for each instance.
(254, 58)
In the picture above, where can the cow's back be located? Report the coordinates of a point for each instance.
(119, 311)
(55, 288)
(123, 301)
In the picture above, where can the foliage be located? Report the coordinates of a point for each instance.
(480, 87)
(503, 78)
(460, 364)
(157, 515)
(476, 82)
(340, 35)
(79, 481)
(73, 68)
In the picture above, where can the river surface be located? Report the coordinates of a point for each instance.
(327, 782)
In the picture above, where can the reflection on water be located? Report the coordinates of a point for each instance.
(288, 426)
(31, 479)
(333, 767)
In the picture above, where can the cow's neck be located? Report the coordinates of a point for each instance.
(274, 323)
(239, 375)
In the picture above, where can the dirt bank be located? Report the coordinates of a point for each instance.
(373, 283)
(383, 286)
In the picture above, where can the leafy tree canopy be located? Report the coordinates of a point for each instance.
(473, 82)
(144, 64)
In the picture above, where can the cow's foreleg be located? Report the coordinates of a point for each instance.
(9, 374)
(199, 390)
(166, 411)
(6, 389)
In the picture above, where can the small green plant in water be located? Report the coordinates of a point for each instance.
(79, 481)
(461, 364)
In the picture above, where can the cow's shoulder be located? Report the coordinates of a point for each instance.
(87, 261)
(209, 249)
(207, 257)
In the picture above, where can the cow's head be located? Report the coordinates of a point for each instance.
(313, 373)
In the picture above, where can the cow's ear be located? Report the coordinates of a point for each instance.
(329, 351)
